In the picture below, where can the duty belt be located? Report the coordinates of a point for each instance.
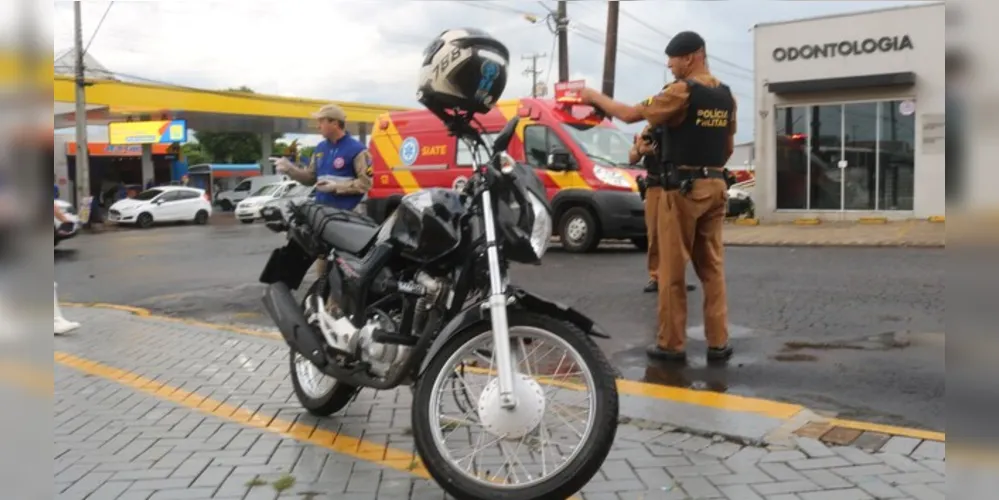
(683, 178)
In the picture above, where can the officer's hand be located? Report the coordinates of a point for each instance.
(282, 165)
(587, 95)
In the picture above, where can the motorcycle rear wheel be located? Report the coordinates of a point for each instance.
(584, 460)
(320, 394)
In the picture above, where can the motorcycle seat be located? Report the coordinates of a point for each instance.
(342, 229)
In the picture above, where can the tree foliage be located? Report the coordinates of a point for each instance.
(228, 147)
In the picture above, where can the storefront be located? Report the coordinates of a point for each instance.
(850, 115)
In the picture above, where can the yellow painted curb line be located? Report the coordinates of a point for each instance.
(747, 222)
(889, 429)
(346, 445)
(378, 454)
(937, 218)
(872, 220)
(807, 222)
(727, 402)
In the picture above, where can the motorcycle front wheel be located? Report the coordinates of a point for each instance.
(475, 449)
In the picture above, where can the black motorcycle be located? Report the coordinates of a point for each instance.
(511, 397)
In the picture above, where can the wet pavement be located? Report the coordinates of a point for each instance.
(853, 331)
(147, 408)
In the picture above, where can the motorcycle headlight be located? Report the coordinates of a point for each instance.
(611, 176)
(541, 233)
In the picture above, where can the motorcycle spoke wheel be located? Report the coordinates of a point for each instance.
(314, 383)
(554, 417)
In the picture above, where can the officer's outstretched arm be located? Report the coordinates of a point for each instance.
(306, 176)
(362, 171)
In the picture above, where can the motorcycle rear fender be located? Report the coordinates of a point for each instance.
(525, 301)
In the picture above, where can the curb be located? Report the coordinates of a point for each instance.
(797, 420)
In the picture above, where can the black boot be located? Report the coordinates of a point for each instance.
(719, 354)
(656, 352)
(651, 286)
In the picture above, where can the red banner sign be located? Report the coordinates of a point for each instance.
(568, 92)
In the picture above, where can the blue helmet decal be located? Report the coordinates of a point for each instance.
(490, 71)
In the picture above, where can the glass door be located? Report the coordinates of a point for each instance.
(860, 145)
(855, 156)
(825, 143)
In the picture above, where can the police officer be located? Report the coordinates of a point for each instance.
(644, 150)
(340, 166)
(697, 114)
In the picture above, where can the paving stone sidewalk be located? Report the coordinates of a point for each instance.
(116, 441)
(890, 234)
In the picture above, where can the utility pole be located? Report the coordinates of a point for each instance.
(82, 160)
(562, 23)
(533, 71)
(610, 48)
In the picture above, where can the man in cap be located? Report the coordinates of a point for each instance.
(340, 166)
(697, 117)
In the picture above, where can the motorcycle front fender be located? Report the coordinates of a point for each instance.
(524, 301)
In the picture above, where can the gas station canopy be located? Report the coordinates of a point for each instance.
(110, 100)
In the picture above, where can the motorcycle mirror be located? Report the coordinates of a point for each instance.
(502, 140)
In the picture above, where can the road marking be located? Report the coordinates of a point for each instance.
(889, 429)
(379, 454)
(357, 448)
(711, 399)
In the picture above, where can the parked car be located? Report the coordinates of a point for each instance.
(248, 210)
(162, 204)
(297, 194)
(67, 208)
(227, 200)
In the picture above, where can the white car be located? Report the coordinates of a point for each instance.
(67, 208)
(248, 210)
(162, 204)
(227, 200)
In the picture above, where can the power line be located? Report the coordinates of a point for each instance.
(668, 36)
(98, 28)
(533, 71)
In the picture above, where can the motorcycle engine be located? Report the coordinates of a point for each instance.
(380, 356)
(383, 357)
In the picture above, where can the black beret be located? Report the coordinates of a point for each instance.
(683, 43)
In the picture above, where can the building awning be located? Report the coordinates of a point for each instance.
(904, 79)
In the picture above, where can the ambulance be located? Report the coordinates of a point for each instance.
(581, 158)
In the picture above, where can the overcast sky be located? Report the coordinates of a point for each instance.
(369, 51)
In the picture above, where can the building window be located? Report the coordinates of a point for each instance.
(855, 156)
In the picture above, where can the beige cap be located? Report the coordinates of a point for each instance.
(332, 112)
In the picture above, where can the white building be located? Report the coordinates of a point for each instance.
(850, 115)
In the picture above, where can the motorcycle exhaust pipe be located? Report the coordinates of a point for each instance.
(291, 322)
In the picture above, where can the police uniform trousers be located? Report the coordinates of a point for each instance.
(652, 196)
(690, 229)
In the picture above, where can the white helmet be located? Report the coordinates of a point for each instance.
(463, 72)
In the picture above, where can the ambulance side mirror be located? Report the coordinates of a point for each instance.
(560, 160)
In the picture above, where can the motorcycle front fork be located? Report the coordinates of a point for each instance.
(497, 309)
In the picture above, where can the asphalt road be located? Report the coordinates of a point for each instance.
(858, 331)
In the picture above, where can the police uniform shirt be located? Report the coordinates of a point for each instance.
(346, 163)
(669, 106)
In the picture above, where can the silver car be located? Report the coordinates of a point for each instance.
(297, 194)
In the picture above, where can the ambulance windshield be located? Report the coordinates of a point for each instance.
(604, 144)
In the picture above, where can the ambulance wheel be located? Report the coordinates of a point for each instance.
(641, 243)
(579, 230)
(226, 205)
